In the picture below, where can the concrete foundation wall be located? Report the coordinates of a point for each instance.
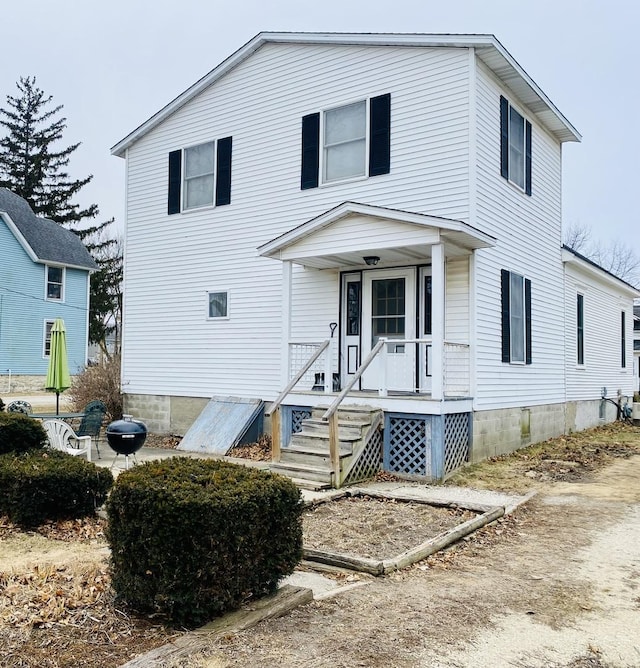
(21, 384)
(498, 432)
(168, 415)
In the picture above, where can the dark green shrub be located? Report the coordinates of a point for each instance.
(194, 538)
(42, 485)
(19, 433)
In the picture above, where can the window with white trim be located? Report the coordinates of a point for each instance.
(516, 318)
(48, 325)
(54, 283)
(515, 146)
(200, 176)
(218, 305)
(347, 141)
(198, 184)
(623, 339)
(344, 142)
(580, 329)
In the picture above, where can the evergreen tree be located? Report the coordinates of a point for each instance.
(29, 164)
(32, 166)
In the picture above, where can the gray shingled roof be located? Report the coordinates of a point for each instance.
(48, 240)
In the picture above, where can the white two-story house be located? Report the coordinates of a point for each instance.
(370, 215)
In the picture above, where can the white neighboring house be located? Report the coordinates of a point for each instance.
(357, 188)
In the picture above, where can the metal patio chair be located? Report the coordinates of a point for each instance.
(19, 406)
(91, 422)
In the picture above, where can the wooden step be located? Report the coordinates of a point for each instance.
(348, 413)
(313, 440)
(322, 475)
(300, 455)
(348, 429)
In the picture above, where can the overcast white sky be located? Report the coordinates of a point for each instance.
(113, 64)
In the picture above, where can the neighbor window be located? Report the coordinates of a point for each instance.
(55, 283)
(349, 141)
(580, 328)
(218, 305)
(516, 318)
(48, 324)
(200, 176)
(515, 146)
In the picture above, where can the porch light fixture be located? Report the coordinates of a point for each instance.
(371, 260)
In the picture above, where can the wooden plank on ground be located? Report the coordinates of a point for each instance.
(285, 599)
(411, 498)
(372, 566)
(442, 540)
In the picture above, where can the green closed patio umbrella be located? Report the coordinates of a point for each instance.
(58, 378)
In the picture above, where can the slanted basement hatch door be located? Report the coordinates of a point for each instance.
(223, 423)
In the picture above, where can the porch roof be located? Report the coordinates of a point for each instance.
(343, 236)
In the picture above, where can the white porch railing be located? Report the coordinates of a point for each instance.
(318, 374)
(457, 369)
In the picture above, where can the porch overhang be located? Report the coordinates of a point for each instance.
(343, 236)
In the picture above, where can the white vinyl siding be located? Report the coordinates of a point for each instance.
(260, 103)
(602, 338)
(529, 242)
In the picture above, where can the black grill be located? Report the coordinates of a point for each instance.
(126, 436)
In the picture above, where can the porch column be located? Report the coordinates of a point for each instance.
(286, 322)
(437, 350)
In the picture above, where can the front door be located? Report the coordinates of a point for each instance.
(389, 311)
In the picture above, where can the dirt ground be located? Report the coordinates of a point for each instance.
(555, 585)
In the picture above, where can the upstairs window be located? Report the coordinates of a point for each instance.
(516, 318)
(55, 283)
(345, 142)
(198, 182)
(200, 176)
(515, 146)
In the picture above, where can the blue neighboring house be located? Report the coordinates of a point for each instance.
(44, 275)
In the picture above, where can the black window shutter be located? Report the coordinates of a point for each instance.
(310, 151)
(175, 178)
(506, 317)
(527, 318)
(527, 164)
(380, 128)
(223, 172)
(504, 137)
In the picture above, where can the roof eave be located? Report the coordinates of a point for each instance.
(482, 42)
(569, 256)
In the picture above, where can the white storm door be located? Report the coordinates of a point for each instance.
(389, 311)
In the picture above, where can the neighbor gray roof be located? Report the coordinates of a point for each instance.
(48, 241)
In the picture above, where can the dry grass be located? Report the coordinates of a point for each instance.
(568, 458)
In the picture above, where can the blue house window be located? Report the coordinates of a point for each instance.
(48, 324)
(55, 283)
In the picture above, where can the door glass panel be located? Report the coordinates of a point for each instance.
(353, 309)
(387, 309)
(427, 306)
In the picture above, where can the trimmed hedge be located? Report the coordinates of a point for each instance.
(42, 485)
(193, 538)
(19, 433)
